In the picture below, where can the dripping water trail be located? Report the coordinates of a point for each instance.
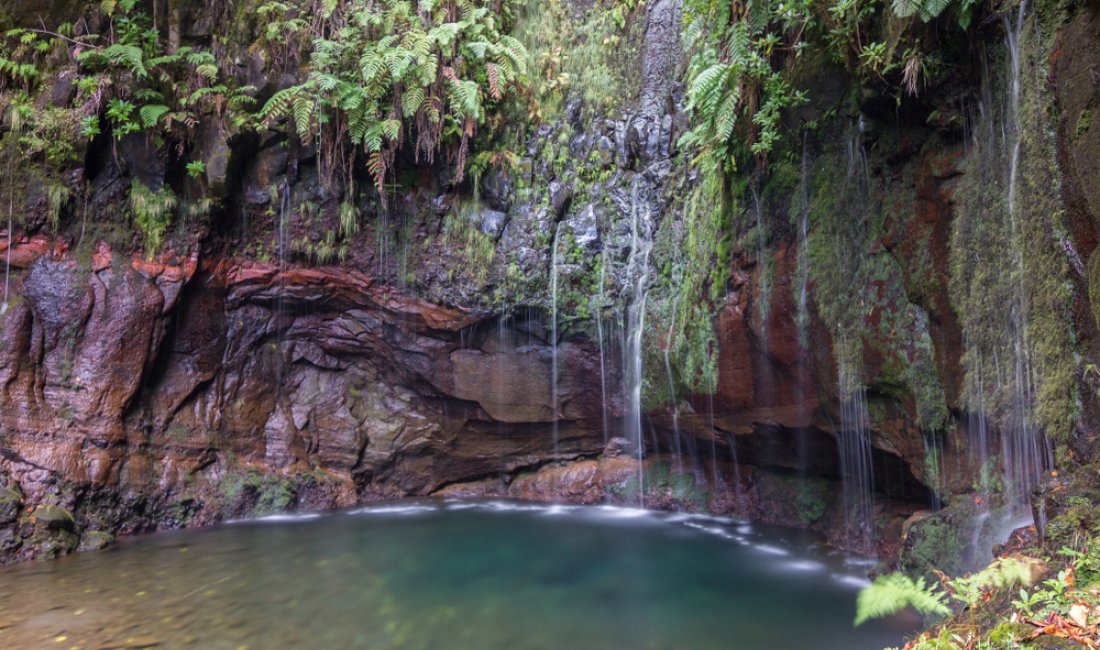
(677, 447)
(641, 243)
(1023, 446)
(854, 441)
(762, 260)
(11, 237)
(600, 335)
(281, 323)
(803, 250)
(554, 334)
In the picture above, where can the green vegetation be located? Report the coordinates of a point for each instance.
(1001, 606)
(664, 484)
(585, 56)
(152, 213)
(125, 79)
(382, 73)
(740, 77)
(702, 262)
(1009, 272)
(894, 592)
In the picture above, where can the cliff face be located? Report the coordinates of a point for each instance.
(469, 338)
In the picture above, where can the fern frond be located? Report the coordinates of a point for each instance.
(280, 103)
(151, 113)
(411, 101)
(889, 594)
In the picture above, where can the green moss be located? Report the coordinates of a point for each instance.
(1009, 275)
(1094, 287)
(702, 260)
(662, 483)
(11, 501)
(932, 543)
(1074, 526)
(152, 212)
(54, 518)
(810, 504)
(258, 493)
(1084, 121)
(583, 53)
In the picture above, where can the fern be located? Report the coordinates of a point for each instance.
(152, 212)
(889, 594)
(926, 10)
(303, 112)
(128, 56)
(411, 101)
(279, 104)
(391, 69)
(1002, 573)
(150, 113)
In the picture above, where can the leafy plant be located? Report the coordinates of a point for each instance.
(152, 212)
(739, 77)
(396, 71)
(894, 592)
(891, 593)
(196, 168)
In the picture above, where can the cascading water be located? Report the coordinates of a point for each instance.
(1021, 444)
(283, 190)
(762, 260)
(1002, 374)
(803, 247)
(83, 217)
(854, 436)
(803, 279)
(603, 353)
(554, 334)
(677, 450)
(11, 239)
(854, 442)
(637, 273)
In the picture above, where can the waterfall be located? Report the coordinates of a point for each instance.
(803, 249)
(603, 352)
(854, 443)
(762, 260)
(992, 232)
(554, 333)
(667, 349)
(1012, 118)
(641, 244)
(283, 191)
(1020, 443)
(11, 237)
(84, 215)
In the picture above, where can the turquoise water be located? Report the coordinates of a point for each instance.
(460, 575)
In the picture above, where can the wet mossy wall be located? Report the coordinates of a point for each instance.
(1011, 253)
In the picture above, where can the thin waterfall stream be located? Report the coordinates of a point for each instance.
(638, 272)
(11, 240)
(554, 406)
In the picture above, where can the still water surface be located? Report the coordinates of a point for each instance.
(450, 575)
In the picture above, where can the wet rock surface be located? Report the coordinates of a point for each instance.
(233, 379)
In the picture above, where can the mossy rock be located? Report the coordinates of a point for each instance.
(10, 503)
(1094, 287)
(46, 543)
(54, 518)
(1071, 512)
(94, 540)
(1054, 643)
(958, 539)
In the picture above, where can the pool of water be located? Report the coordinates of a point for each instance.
(450, 575)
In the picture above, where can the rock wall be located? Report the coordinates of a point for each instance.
(241, 374)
